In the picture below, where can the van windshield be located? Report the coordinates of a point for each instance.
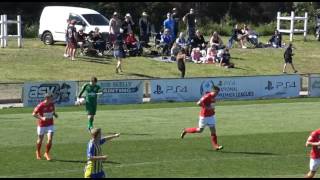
(96, 19)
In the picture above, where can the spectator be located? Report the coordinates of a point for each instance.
(132, 45)
(181, 61)
(127, 25)
(169, 24)
(97, 40)
(176, 21)
(236, 36)
(66, 50)
(288, 59)
(181, 41)
(190, 20)
(215, 41)
(81, 39)
(225, 60)
(166, 42)
(114, 26)
(198, 41)
(196, 55)
(72, 41)
(211, 55)
(119, 52)
(144, 26)
(174, 51)
(276, 40)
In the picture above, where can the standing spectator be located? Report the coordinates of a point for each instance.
(181, 60)
(114, 26)
(236, 36)
(276, 39)
(119, 52)
(190, 20)
(127, 25)
(72, 41)
(288, 59)
(176, 21)
(144, 26)
(169, 24)
(216, 41)
(66, 50)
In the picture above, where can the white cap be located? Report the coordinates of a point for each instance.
(144, 14)
(128, 15)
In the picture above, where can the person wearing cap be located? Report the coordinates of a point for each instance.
(144, 26)
(45, 112)
(176, 19)
(127, 25)
(190, 20)
(114, 26)
(72, 39)
(207, 117)
(169, 24)
(95, 158)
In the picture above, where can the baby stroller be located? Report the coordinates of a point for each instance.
(318, 27)
(253, 39)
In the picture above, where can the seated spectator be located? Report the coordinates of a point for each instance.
(98, 42)
(276, 40)
(132, 45)
(225, 60)
(216, 41)
(166, 42)
(181, 41)
(81, 39)
(196, 55)
(236, 36)
(211, 55)
(198, 41)
(174, 51)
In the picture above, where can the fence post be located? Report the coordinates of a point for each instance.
(305, 26)
(1, 31)
(19, 31)
(291, 26)
(278, 20)
(5, 30)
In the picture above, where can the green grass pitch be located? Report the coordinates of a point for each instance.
(263, 138)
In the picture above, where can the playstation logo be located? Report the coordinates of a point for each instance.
(269, 86)
(158, 90)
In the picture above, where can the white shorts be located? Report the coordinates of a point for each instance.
(45, 130)
(314, 164)
(207, 121)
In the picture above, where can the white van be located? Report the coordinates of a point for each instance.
(53, 22)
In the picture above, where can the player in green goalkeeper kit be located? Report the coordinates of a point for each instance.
(91, 89)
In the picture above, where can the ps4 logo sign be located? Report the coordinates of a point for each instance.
(288, 84)
(170, 89)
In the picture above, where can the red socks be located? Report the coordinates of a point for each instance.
(191, 130)
(214, 140)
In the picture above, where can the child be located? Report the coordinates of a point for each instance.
(288, 59)
(181, 60)
(174, 51)
(225, 59)
(94, 167)
(211, 55)
(119, 52)
(196, 55)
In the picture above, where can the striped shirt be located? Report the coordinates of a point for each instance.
(94, 149)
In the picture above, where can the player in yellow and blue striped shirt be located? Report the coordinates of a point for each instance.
(94, 168)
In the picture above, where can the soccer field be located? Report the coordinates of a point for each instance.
(260, 140)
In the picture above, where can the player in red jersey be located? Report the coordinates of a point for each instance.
(207, 117)
(44, 112)
(314, 141)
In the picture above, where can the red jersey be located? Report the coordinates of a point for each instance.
(45, 111)
(207, 109)
(315, 137)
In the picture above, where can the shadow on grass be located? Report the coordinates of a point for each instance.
(80, 161)
(247, 153)
(140, 75)
(132, 134)
(94, 59)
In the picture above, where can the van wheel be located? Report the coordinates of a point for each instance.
(47, 38)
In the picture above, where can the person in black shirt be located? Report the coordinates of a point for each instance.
(119, 53)
(190, 20)
(144, 26)
(81, 39)
(288, 59)
(237, 35)
(176, 21)
(72, 39)
(276, 39)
